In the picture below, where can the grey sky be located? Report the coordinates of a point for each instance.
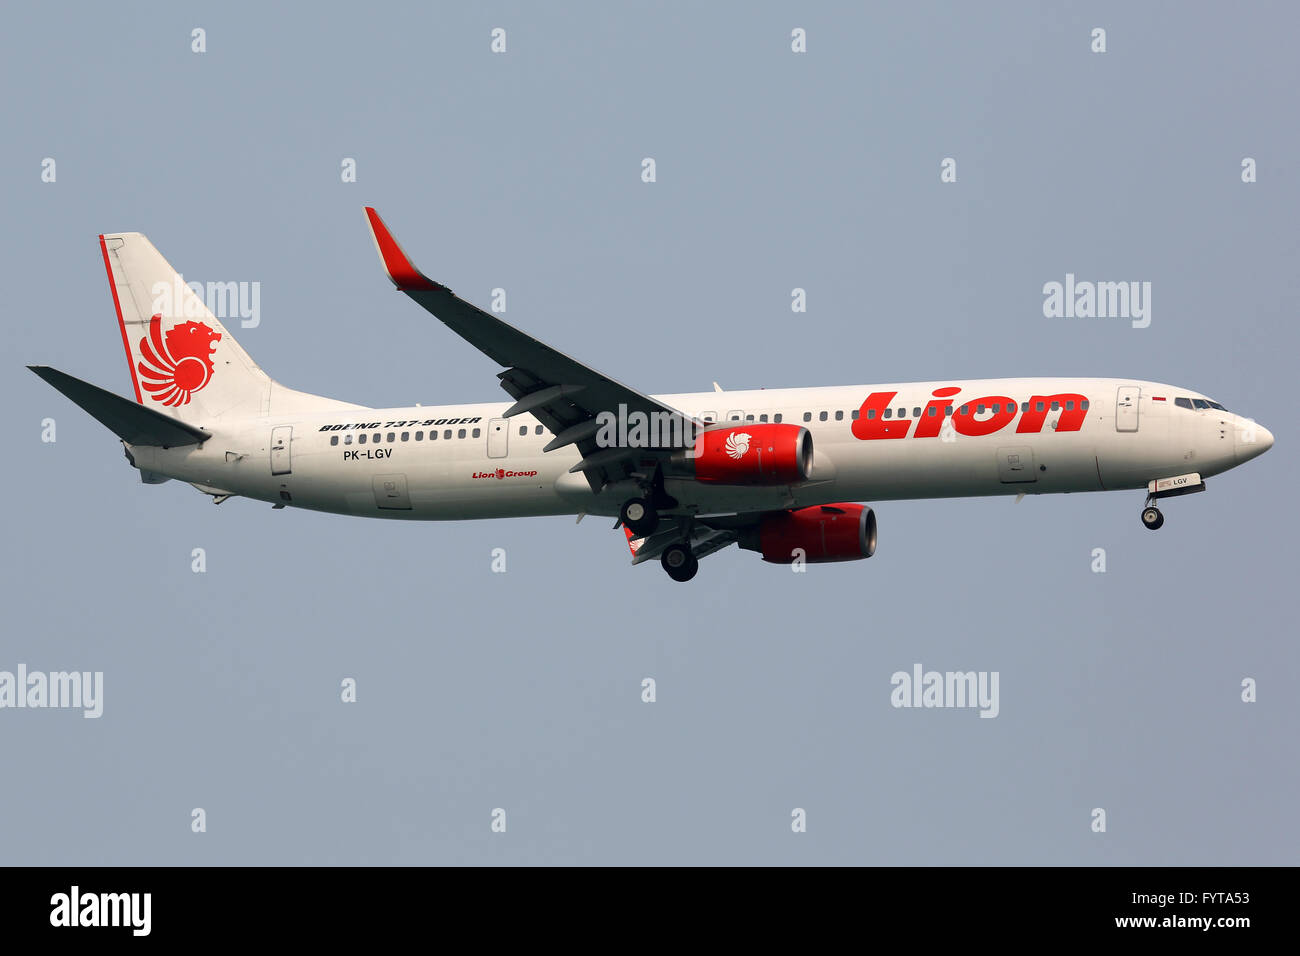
(775, 170)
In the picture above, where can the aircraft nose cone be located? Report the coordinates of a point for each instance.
(1252, 441)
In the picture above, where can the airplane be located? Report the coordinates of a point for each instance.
(783, 472)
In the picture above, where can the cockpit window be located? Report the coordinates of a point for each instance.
(1199, 404)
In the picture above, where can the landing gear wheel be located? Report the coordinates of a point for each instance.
(1152, 518)
(639, 516)
(678, 561)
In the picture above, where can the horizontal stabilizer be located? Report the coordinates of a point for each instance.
(134, 424)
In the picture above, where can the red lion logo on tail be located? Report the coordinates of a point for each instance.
(180, 366)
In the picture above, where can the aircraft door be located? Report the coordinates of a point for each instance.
(281, 440)
(498, 437)
(1126, 408)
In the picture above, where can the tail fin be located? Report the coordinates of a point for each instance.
(184, 362)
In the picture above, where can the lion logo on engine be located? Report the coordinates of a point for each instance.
(737, 445)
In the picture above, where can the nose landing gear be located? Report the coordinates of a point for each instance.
(1168, 488)
(1152, 518)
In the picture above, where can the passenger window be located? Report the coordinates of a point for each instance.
(821, 417)
(376, 437)
(1183, 402)
(839, 416)
(334, 439)
(902, 413)
(947, 411)
(419, 436)
(762, 418)
(807, 416)
(965, 410)
(477, 432)
(406, 436)
(931, 411)
(537, 430)
(347, 439)
(447, 434)
(1024, 406)
(979, 409)
(1084, 404)
(361, 439)
(1038, 406)
(777, 417)
(916, 412)
(460, 433)
(1069, 406)
(392, 436)
(433, 434)
(523, 430)
(709, 416)
(1056, 406)
(889, 413)
(735, 415)
(871, 413)
(854, 414)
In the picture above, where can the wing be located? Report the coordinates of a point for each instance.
(560, 392)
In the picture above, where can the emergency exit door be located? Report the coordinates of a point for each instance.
(1126, 408)
(281, 440)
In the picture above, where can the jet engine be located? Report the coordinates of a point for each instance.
(818, 535)
(750, 453)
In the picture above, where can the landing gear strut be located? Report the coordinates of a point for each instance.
(679, 562)
(1152, 518)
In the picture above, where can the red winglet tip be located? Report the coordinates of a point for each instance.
(397, 264)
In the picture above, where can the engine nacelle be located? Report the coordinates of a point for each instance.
(820, 534)
(750, 453)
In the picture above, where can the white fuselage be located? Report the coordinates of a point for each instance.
(383, 462)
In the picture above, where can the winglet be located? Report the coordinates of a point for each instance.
(397, 263)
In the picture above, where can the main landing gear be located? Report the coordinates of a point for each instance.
(679, 562)
(639, 516)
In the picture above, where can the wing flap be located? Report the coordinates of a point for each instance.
(704, 540)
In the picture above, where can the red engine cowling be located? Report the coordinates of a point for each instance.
(820, 534)
(753, 454)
